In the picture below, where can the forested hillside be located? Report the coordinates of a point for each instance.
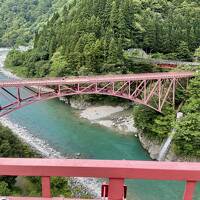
(19, 20)
(92, 36)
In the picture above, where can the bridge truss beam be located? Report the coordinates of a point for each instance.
(147, 90)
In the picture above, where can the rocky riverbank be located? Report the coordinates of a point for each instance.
(118, 118)
(154, 147)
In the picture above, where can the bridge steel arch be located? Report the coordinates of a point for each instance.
(150, 89)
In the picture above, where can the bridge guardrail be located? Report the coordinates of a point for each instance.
(115, 171)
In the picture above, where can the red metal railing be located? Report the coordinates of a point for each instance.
(115, 171)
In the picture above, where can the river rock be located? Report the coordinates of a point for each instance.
(154, 151)
(106, 123)
(152, 146)
(94, 113)
(79, 104)
(171, 156)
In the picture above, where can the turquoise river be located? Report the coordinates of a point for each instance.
(58, 125)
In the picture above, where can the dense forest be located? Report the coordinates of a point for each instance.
(95, 37)
(19, 20)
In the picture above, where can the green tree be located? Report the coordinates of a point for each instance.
(114, 18)
(58, 65)
(187, 137)
(183, 52)
(197, 53)
(4, 190)
(59, 185)
(114, 52)
(154, 125)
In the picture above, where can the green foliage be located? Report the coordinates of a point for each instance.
(194, 87)
(187, 137)
(192, 105)
(20, 19)
(4, 190)
(11, 146)
(183, 52)
(58, 65)
(154, 125)
(163, 124)
(90, 37)
(197, 53)
(15, 58)
(144, 118)
(59, 186)
(32, 63)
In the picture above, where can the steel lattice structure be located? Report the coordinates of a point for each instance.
(150, 89)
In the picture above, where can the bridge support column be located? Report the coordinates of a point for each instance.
(113, 88)
(189, 190)
(59, 90)
(39, 91)
(174, 92)
(18, 95)
(116, 189)
(159, 94)
(46, 191)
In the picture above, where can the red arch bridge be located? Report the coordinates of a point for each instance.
(150, 89)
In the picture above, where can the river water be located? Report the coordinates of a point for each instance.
(54, 128)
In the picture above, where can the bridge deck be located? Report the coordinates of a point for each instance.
(93, 79)
(167, 62)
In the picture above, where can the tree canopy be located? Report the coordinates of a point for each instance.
(19, 20)
(87, 36)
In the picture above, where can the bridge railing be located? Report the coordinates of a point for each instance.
(115, 171)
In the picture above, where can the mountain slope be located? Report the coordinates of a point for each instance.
(20, 19)
(89, 36)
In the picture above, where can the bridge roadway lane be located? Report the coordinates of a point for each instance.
(94, 79)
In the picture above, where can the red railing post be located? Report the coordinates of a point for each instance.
(116, 189)
(189, 190)
(46, 191)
